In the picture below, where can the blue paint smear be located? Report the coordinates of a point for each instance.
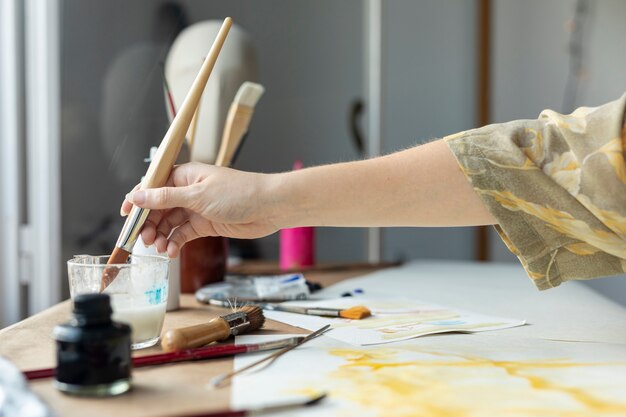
(155, 296)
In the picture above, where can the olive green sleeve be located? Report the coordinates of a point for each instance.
(557, 186)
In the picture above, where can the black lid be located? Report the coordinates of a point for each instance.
(93, 305)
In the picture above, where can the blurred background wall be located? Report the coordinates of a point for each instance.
(313, 63)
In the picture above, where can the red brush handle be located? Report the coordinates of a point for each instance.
(161, 358)
(39, 373)
(224, 413)
(190, 354)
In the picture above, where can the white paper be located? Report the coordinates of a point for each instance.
(392, 320)
(484, 375)
(573, 311)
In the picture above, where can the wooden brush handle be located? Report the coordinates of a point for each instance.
(163, 161)
(236, 126)
(195, 336)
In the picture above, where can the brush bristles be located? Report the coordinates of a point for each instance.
(119, 256)
(355, 313)
(255, 317)
(248, 94)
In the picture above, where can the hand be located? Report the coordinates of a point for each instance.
(202, 200)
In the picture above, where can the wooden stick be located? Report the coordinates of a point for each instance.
(162, 163)
(165, 157)
(194, 128)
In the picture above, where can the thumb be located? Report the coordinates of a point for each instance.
(161, 198)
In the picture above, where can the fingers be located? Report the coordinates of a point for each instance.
(170, 221)
(127, 205)
(179, 237)
(181, 176)
(163, 198)
(148, 233)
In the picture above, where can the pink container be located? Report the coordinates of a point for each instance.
(297, 245)
(297, 248)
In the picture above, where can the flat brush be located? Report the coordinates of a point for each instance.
(207, 352)
(237, 122)
(164, 159)
(246, 319)
(264, 410)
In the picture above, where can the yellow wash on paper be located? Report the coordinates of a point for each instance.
(445, 385)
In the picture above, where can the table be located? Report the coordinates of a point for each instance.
(570, 314)
(166, 390)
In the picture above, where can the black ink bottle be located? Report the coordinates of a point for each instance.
(93, 352)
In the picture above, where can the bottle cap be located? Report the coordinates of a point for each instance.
(93, 305)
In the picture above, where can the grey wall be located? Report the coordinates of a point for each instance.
(311, 62)
(310, 55)
(428, 92)
(530, 67)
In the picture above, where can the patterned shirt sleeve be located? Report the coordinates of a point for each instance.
(557, 186)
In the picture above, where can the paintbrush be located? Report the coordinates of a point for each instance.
(246, 319)
(220, 379)
(166, 155)
(264, 410)
(353, 313)
(207, 352)
(238, 121)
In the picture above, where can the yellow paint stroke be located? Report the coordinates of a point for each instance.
(462, 386)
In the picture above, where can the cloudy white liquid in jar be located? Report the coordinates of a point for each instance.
(145, 319)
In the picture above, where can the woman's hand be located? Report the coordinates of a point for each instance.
(203, 200)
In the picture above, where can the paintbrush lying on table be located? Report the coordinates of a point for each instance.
(352, 313)
(221, 379)
(246, 319)
(197, 354)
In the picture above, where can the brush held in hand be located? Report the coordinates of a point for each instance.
(165, 157)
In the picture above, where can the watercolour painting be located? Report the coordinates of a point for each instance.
(442, 376)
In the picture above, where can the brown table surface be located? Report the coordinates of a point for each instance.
(165, 390)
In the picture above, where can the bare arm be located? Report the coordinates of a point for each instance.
(421, 186)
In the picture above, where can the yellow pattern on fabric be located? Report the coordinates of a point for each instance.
(557, 186)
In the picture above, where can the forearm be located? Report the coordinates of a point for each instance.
(421, 186)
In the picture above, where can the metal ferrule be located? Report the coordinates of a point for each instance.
(237, 322)
(132, 228)
(277, 344)
(323, 312)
